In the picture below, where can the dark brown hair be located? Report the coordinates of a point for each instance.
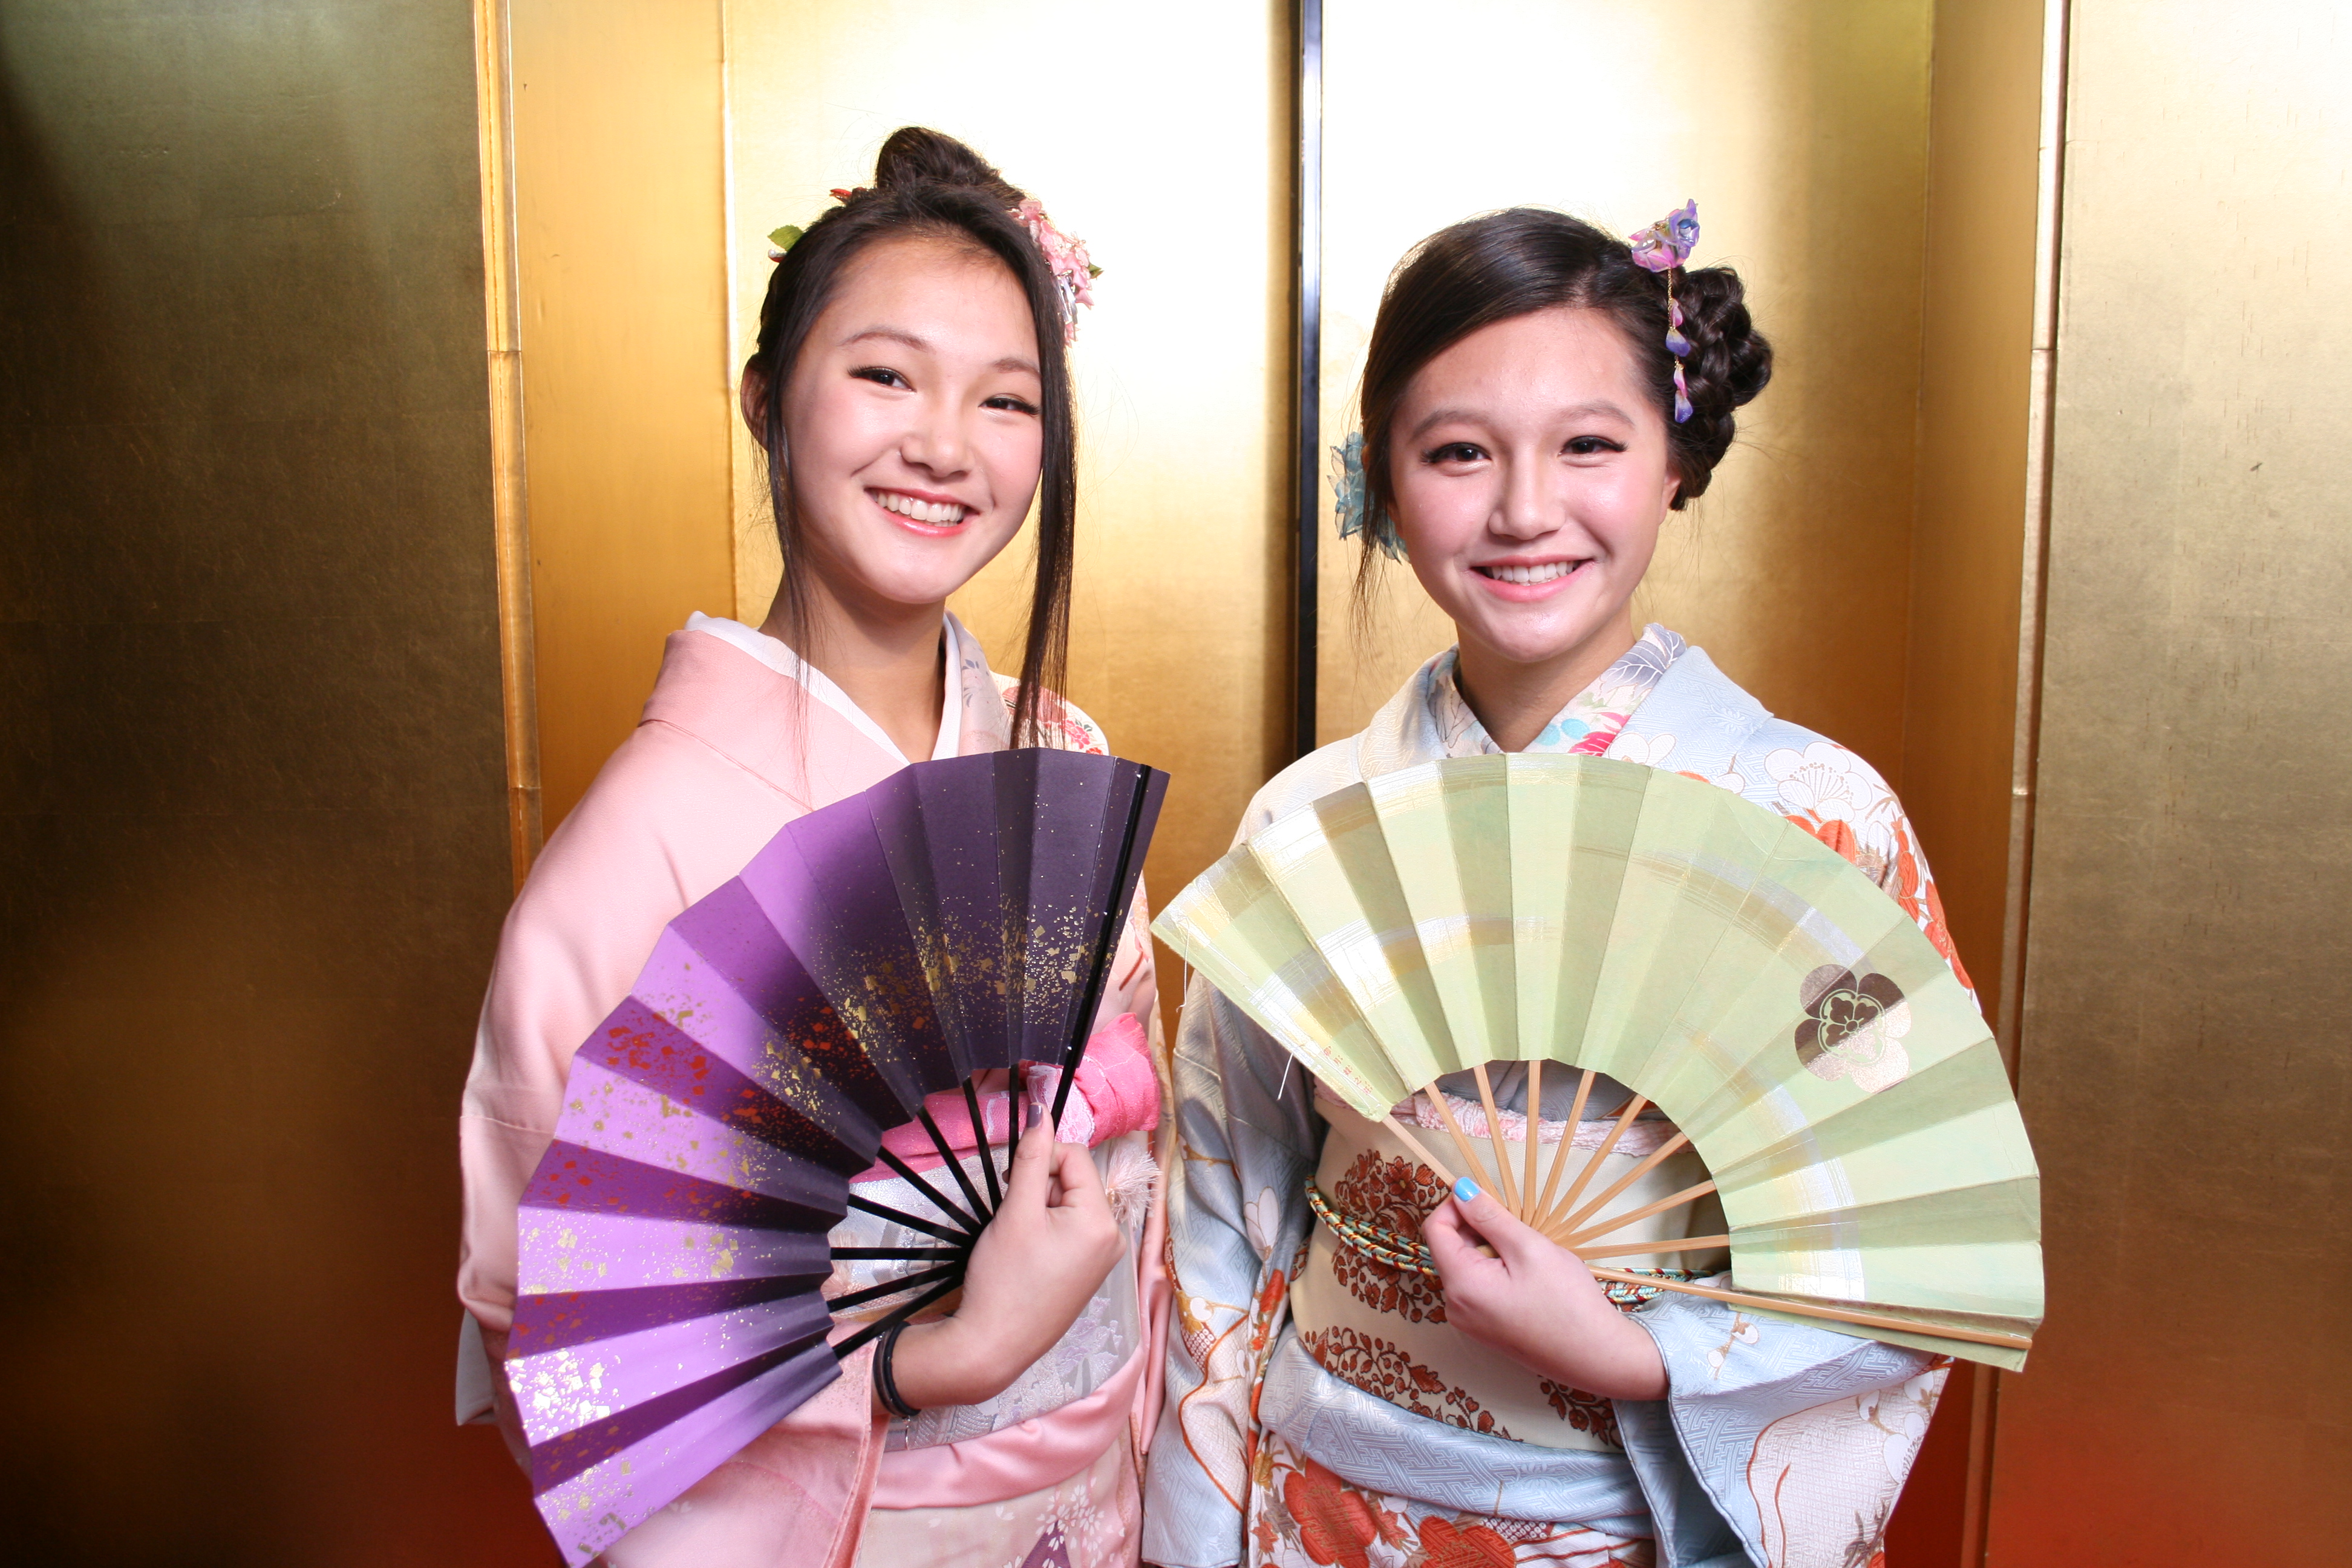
(931, 185)
(1526, 259)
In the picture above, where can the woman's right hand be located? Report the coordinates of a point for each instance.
(1041, 1259)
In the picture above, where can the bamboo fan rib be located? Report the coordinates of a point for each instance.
(1620, 923)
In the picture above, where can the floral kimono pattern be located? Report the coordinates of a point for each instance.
(1776, 1444)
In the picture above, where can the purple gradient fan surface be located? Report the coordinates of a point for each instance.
(955, 919)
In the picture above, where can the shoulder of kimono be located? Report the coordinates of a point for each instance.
(1309, 779)
(1065, 721)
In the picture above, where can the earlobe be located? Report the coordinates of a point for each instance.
(753, 399)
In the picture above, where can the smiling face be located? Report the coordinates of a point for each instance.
(911, 421)
(1530, 476)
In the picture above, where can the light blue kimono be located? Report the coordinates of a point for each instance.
(1776, 1444)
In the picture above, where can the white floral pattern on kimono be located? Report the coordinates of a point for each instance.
(1776, 1444)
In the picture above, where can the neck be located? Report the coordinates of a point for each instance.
(887, 657)
(1515, 699)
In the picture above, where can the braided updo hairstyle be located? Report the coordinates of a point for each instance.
(1526, 259)
(927, 185)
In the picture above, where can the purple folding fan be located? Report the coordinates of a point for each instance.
(957, 917)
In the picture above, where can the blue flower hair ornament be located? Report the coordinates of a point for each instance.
(1353, 499)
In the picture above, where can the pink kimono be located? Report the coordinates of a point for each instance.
(738, 738)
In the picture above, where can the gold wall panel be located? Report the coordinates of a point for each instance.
(2184, 1051)
(1975, 396)
(1974, 487)
(509, 489)
(1166, 146)
(619, 206)
(1801, 129)
(253, 844)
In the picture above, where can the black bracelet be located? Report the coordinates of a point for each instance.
(886, 1387)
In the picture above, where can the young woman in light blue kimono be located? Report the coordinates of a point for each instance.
(1538, 396)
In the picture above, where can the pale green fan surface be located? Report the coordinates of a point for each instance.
(1661, 930)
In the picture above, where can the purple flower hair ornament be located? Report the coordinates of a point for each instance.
(1663, 247)
(1668, 243)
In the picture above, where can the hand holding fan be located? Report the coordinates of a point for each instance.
(1805, 1039)
(955, 919)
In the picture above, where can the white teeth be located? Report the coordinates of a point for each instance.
(921, 510)
(1549, 572)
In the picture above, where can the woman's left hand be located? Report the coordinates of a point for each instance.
(1535, 1301)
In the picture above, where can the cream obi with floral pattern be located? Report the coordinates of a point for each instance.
(1382, 1328)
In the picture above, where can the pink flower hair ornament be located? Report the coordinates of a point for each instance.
(1663, 247)
(1074, 271)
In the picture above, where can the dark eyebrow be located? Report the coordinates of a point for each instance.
(1580, 411)
(892, 335)
(922, 346)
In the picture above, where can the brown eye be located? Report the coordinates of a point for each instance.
(1453, 452)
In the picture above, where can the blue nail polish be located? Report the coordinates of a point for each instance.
(1465, 1189)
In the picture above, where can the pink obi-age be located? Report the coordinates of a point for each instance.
(737, 739)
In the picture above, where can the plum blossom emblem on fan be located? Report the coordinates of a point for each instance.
(1853, 1028)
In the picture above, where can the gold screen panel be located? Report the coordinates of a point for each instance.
(619, 214)
(2183, 1059)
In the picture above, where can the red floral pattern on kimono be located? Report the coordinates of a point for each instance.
(1302, 1513)
(1840, 799)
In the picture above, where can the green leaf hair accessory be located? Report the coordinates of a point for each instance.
(1353, 499)
(780, 241)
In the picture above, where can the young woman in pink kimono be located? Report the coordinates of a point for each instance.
(911, 391)
(1538, 397)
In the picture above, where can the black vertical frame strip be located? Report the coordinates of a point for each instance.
(1307, 410)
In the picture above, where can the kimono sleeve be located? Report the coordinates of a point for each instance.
(662, 824)
(1791, 1444)
(1245, 1141)
(1787, 1443)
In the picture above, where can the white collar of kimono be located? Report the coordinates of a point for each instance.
(1591, 720)
(779, 656)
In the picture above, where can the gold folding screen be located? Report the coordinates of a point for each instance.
(619, 203)
(1858, 572)
(258, 859)
(2184, 1053)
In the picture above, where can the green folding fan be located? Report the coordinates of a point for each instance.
(1802, 1035)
